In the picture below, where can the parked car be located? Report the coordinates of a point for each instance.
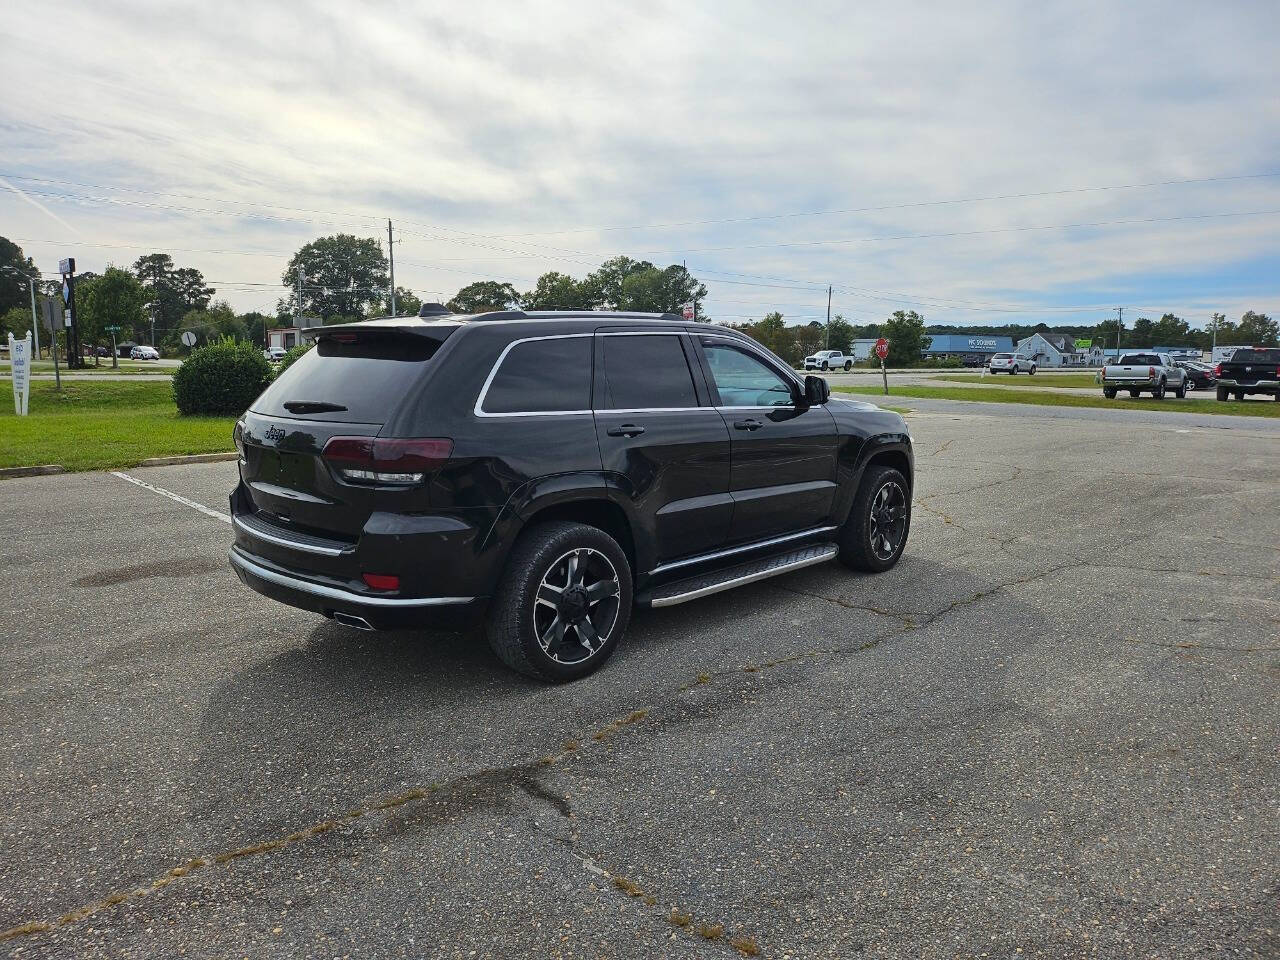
(125, 349)
(1250, 370)
(828, 360)
(1199, 375)
(144, 353)
(1143, 372)
(552, 470)
(274, 354)
(1011, 363)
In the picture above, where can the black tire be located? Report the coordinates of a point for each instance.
(848, 364)
(1181, 392)
(1013, 372)
(825, 365)
(518, 610)
(1239, 395)
(1222, 394)
(1134, 393)
(1032, 371)
(1158, 392)
(856, 549)
(1109, 392)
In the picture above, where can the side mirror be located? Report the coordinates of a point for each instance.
(816, 390)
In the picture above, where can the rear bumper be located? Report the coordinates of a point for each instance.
(328, 598)
(1260, 386)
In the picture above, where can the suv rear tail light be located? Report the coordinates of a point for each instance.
(387, 460)
(381, 581)
(1151, 373)
(1217, 370)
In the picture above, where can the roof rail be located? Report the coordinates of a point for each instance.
(501, 315)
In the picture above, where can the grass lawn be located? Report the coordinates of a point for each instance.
(126, 367)
(110, 424)
(1022, 380)
(1254, 408)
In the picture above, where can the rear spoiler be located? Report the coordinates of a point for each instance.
(389, 328)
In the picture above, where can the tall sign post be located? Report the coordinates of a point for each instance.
(20, 364)
(52, 321)
(115, 354)
(882, 351)
(75, 357)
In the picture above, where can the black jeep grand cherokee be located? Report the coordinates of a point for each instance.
(554, 468)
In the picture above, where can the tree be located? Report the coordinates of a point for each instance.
(255, 327)
(408, 303)
(839, 336)
(809, 339)
(606, 283)
(14, 265)
(771, 332)
(115, 299)
(484, 296)
(1258, 329)
(558, 291)
(907, 338)
(1170, 330)
(15, 320)
(342, 275)
(172, 293)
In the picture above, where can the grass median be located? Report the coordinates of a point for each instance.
(1051, 398)
(102, 425)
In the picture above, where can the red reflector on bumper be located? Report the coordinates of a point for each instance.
(381, 581)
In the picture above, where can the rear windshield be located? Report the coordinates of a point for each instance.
(1256, 356)
(1140, 358)
(368, 379)
(1002, 356)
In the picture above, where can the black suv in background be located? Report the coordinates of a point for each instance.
(550, 470)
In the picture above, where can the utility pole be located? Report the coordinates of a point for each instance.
(298, 307)
(1119, 327)
(828, 316)
(391, 252)
(154, 307)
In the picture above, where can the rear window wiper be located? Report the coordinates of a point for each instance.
(312, 406)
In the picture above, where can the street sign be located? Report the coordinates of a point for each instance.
(882, 348)
(66, 292)
(189, 338)
(66, 319)
(67, 266)
(20, 363)
(112, 329)
(688, 311)
(49, 314)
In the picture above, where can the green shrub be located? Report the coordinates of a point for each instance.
(292, 354)
(949, 363)
(222, 378)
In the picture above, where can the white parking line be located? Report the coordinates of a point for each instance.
(225, 518)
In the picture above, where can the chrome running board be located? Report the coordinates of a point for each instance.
(737, 576)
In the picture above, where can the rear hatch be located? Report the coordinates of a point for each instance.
(1248, 366)
(337, 395)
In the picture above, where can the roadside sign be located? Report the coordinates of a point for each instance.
(882, 348)
(67, 266)
(189, 338)
(66, 319)
(688, 311)
(49, 314)
(66, 292)
(112, 329)
(20, 364)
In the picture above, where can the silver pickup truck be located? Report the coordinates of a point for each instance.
(1143, 372)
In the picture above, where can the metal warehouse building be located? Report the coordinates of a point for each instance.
(976, 349)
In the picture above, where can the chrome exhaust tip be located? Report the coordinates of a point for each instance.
(351, 620)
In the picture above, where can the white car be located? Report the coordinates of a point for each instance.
(828, 360)
(144, 353)
(274, 354)
(1011, 363)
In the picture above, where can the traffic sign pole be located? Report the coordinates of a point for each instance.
(882, 351)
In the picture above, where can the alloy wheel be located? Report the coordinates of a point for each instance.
(888, 522)
(576, 605)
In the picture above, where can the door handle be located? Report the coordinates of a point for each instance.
(625, 430)
(747, 425)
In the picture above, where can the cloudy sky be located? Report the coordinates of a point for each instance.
(992, 162)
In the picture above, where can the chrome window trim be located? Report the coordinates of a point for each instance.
(478, 409)
(244, 528)
(758, 544)
(747, 347)
(335, 594)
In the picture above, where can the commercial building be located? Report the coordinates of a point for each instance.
(1053, 350)
(976, 349)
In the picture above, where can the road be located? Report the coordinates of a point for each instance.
(1050, 731)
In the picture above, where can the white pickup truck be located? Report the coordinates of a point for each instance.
(828, 360)
(1143, 372)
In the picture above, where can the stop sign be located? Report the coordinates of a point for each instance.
(882, 348)
(688, 311)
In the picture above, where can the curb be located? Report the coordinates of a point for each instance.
(42, 470)
(193, 458)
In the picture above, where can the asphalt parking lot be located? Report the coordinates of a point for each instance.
(1050, 731)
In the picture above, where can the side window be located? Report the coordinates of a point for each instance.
(743, 380)
(643, 373)
(542, 376)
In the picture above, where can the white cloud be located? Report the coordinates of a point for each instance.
(508, 120)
